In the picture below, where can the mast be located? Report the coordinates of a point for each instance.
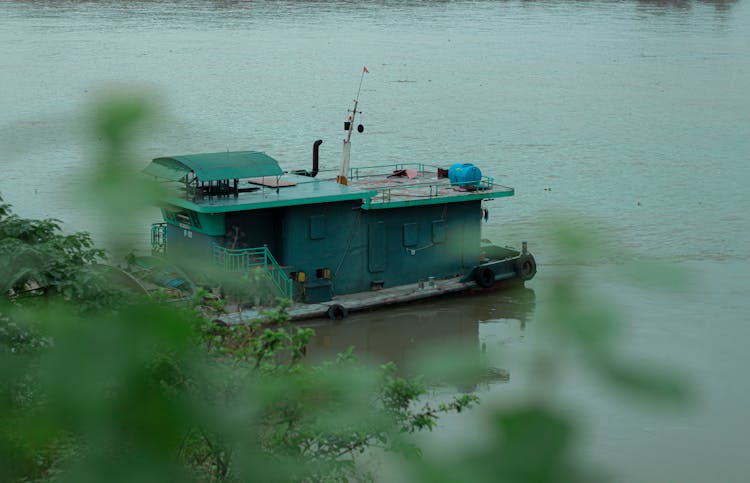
(346, 151)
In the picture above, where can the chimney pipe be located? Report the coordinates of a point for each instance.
(316, 145)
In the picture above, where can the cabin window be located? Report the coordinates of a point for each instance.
(183, 220)
(185, 217)
(438, 231)
(411, 234)
(317, 227)
(169, 215)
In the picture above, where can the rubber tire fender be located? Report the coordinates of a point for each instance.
(337, 312)
(485, 277)
(525, 267)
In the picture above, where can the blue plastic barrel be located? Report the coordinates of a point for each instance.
(464, 174)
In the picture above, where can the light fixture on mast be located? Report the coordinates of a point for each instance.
(345, 155)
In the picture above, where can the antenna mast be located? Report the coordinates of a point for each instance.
(344, 169)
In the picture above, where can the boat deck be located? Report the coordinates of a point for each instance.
(357, 302)
(270, 192)
(378, 187)
(405, 184)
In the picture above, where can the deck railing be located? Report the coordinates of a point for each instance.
(414, 190)
(158, 238)
(377, 170)
(428, 190)
(246, 259)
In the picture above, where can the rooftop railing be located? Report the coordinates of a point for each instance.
(378, 170)
(388, 192)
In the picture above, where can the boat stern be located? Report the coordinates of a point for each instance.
(499, 264)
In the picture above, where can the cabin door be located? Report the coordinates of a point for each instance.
(469, 245)
(376, 253)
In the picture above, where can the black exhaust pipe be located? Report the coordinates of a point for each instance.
(314, 172)
(316, 145)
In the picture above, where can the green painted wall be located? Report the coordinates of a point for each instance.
(187, 247)
(394, 246)
(325, 236)
(422, 241)
(360, 247)
(212, 223)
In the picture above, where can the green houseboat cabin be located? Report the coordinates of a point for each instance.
(316, 238)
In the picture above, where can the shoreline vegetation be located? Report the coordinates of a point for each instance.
(97, 384)
(107, 377)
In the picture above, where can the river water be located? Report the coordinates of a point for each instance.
(632, 113)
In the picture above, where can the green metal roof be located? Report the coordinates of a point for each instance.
(215, 166)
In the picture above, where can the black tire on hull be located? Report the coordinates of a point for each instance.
(525, 267)
(337, 312)
(485, 277)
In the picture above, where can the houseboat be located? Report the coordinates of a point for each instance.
(367, 237)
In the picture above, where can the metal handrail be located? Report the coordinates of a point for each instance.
(486, 183)
(245, 259)
(158, 238)
(354, 173)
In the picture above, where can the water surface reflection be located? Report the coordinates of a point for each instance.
(395, 334)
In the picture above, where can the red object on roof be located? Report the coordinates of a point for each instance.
(409, 173)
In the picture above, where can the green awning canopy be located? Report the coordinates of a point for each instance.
(215, 166)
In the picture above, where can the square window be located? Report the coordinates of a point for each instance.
(317, 227)
(411, 234)
(438, 231)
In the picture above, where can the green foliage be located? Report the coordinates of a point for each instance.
(581, 320)
(119, 120)
(148, 391)
(253, 288)
(529, 438)
(156, 392)
(38, 259)
(94, 387)
(314, 415)
(529, 443)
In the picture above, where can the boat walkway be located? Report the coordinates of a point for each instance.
(341, 305)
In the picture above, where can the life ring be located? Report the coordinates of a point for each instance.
(525, 267)
(337, 312)
(485, 277)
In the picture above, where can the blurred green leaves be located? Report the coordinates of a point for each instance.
(98, 386)
(645, 381)
(37, 258)
(524, 434)
(154, 393)
(121, 119)
(581, 319)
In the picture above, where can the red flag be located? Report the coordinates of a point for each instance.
(365, 69)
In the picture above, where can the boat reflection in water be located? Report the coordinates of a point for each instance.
(395, 334)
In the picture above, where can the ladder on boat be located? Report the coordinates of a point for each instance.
(247, 259)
